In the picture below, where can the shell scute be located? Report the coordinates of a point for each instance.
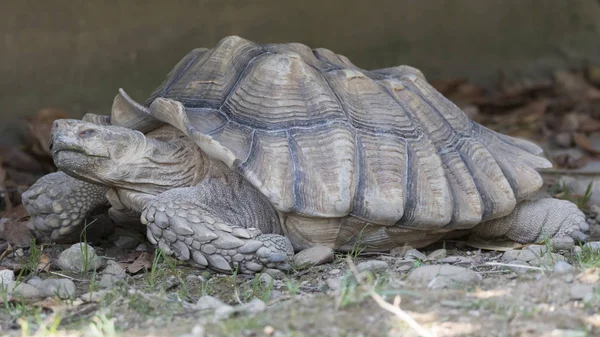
(323, 138)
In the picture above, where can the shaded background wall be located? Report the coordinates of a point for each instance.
(74, 55)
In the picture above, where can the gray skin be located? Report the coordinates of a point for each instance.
(208, 214)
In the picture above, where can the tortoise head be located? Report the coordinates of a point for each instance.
(120, 157)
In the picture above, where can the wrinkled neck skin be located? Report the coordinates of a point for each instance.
(152, 166)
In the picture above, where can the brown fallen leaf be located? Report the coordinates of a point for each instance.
(6, 203)
(17, 213)
(7, 251)
(17, 233)
(43, 263)
(588, 124)
(40, 126)
(143, 261)
(584, 143)
(493, 245)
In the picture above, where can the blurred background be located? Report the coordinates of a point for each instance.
(74, 55)
(523, 67)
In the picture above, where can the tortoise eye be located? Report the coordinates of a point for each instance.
(87, 133)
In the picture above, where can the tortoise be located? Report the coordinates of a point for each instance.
(248, 153)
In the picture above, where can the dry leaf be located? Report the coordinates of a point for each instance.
(17, 233)
(17, 213)
(7, 205)
(43, 263)
(7, 251)
(40, 127)
(584, 143)
(144, 261)
(501, 246)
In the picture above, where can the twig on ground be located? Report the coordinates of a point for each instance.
(67, 276)
(512, 265)
(394, 308)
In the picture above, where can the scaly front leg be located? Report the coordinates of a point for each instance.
(59, 204)
(218, 228)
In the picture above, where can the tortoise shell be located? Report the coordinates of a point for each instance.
(323, 138)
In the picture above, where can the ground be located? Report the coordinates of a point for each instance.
(323, 300)
(494, 290)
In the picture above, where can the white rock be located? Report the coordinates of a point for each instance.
(437, 254)
(6, 277)
(583, 292)
(416, 254)
(562, 267)
(594, 246)
(313, 256)
(209, 303)
(524, 255)
(253, 307)
(450, 275)
(373, 266)
(73, 258)
(63, 288)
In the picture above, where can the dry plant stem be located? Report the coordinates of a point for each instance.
(512, 265)
(393, 308)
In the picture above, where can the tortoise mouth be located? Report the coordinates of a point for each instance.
(74, 150)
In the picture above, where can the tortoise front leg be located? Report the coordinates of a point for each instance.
(210, 226)
(59, 204)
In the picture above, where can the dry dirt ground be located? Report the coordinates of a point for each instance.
(323, 300)
(154, 295)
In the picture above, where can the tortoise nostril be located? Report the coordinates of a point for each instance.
(87, 133)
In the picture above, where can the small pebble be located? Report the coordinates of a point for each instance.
(437, 254)
(583, 292)
(538, 250)
(562, 267)
(275, 294)
(126, 242)
(224, 312)
(514, 266)
(266, 279)
(404, 268)
(209, 303)
(524, 255)
(334, 271)
(561, 244)
(334, 283)
(253, 307)
(443, 275)
(191, 278)
(594, 246)
(63, 288)
(400, 251)
(198, 331)
(108, 281)
(414, 253)
(142, 247)
(72, 258)
(269, 330)
(94, 296)
(456, 259)
(275, 273)
(114, 268)
(6, 277)
(373, 266)
(24, 290)
(313, 256)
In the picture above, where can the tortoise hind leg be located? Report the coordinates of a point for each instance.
(212, 228)
(537, 220)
